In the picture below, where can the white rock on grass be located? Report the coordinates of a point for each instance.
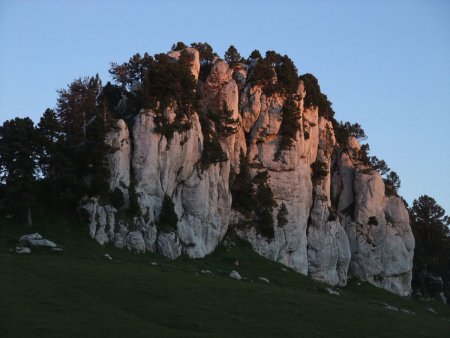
(332, 292)
(430, 309)
(391, 307)
(57, 249)
(108, 256)
(263, 279)
(36, 240)
(22, 250)
(235, 275)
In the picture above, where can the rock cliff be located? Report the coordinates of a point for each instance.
(339, 225)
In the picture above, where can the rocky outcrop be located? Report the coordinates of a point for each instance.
(377, 226)
(337, 226)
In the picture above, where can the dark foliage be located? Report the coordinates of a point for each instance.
(344, 130)
(364, 154)
(254, 55)
(276, 73)
(332, 214)
(242, 189)
(168, 218)
(319, 171)
(372, 221)
(207, 56)
(212, 150)
(265, 203)
(232, 56)
(392, 183)
(431, 231)
(224, 123)
(315, 98)
(116, 199)
(178, 46)
(289, 127)
(349, 211)
(379, 165)
(18, 164)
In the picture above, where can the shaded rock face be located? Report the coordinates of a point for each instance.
(327, 236)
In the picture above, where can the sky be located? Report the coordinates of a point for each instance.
(383, 63)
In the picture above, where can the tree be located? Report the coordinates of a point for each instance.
(242, 190)
(50, 135)
(392, 180)
(345, 130)
(289, 127)
(95, 158)
(315, 97)
(232, 56)
(108, 101)
(379, 165)
(18, 163)
(179, 46)
(254, 55)
(319, 171)
(207, 56)
(264, 204)
(55, 161)
(76, 107)
(364, 154)
(131, 72)
(431, 231)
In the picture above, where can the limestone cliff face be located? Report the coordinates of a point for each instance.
(328, 234)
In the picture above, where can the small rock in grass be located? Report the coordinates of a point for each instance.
(21, 250)
(206, 271)
(108, 256)
(391, 307)
(407, 312)
(57, 249)
(36, 240)
(430, 309)
(283, 269)
(263, 279)
(235, 275)
(332, 292)
(154, 263)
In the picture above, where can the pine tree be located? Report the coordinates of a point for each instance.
(77, 107)
(178, 46)
(289, 127)
(392, 181)
(264, 205)
(232, 56)
(242, 189)
(431, 231)
(18, 163)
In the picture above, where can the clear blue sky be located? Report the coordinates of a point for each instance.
(383, 63)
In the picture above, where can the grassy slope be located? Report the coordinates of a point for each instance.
(79, 293)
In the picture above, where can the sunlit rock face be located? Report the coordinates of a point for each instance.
(327, 235)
